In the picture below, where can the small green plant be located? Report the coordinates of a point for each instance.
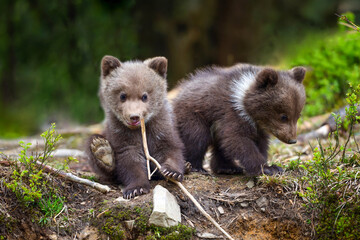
(30, 184)
(50, 206)
(285, 180)
(67, 163)
(27, 177)
(91, 177)
(329, 181)
(294, 164)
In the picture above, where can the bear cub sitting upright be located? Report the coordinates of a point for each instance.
(130, 91)
(234, 110)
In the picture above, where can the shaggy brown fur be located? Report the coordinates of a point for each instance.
(234, 110)
(128, 91)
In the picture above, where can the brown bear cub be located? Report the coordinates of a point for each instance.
(129, 91)
(234, 110)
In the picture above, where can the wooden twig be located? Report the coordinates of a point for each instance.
(146, 149)
(229, 201)
(197, 204)
(5, 162)
(349, 23)
(69, 176)
(59, 213)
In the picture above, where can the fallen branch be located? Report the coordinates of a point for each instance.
(73, 178)
(158, 166)
(68, 176)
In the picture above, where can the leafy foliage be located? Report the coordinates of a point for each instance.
(330, 182)
(333, 62)
(30, 184)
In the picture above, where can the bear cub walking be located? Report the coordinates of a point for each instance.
(129, 91)
(234, 110)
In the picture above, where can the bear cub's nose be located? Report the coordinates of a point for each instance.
(134, 118)
(292, 141)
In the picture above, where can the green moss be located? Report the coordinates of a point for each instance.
(112, 221)
(173, 233)
(338, 225)
(115, 231)
(6, 225)
(112, 224)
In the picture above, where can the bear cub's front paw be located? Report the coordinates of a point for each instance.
(169, 173)
(131, 192)
(103, 152)
(272, 170)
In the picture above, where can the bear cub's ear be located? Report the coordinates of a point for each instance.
(108, 64)
(158, 64)
(266, 78)
(298, 73)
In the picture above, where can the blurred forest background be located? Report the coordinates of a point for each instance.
(50, 51)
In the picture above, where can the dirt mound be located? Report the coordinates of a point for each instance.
(258, 212)
(244, 207)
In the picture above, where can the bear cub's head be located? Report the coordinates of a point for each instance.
(134, 89)
(276, 100)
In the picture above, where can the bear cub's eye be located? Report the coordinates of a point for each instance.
(123, 97)
(284, 118)
(144, 97)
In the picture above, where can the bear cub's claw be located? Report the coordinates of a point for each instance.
(103, 152)
(133, 192)
(200, 170)
(188, 167)
(272, 170)
(172, 174)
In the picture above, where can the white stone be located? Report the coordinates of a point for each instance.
(166, 212)
(262, 202)
(89, 233)
(53, 237)
(221, 210)
(129, 224)
(121, 200)
(244, 204)
(250, 184)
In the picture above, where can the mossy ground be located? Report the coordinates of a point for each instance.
(112, 223)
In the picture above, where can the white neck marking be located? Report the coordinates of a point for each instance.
(239, 88)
